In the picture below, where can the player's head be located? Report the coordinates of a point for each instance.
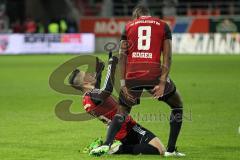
(139, 11)
(82, 80)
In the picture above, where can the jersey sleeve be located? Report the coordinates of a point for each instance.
(100, 95)
(167, 31)
(99, 68)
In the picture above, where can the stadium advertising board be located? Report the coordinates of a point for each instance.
(103, 27)
(112, 27)
(47, 43)
(225, 25)
(214, 43)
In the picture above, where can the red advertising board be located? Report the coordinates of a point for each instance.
(112, 27)
(103, 27)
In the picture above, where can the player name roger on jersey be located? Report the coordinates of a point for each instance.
(141, 55)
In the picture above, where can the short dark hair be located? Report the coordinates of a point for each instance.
(140, 10)
(75, 79)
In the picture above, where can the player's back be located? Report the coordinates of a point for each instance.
(145, 37)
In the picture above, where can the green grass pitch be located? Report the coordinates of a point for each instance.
(30, 130)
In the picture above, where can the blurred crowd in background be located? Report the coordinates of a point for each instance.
(37, 26)
(54, 16)
(22, 16)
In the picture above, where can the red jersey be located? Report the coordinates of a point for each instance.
(145, 37)
(105, 112)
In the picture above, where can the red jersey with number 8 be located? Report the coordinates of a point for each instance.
(145, 37)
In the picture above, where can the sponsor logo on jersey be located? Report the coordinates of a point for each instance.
(145, 21)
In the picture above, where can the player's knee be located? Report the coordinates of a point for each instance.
(175, 101)
(178, 107)
(180, 103)
(124, 110)
(123, 103)
(126, 102)
(176, 115)
(179, 100)
(120, 118)
(177, 111)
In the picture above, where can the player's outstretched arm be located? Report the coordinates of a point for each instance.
(107, 88)
(99, 68)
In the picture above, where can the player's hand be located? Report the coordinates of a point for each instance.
(114, 60)
(158, 90)
(128, 95)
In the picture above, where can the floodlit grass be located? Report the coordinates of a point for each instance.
(29, 128)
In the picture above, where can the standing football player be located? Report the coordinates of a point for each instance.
(145, 61)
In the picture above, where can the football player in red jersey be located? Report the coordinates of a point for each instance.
(99, 103)
(145, 61)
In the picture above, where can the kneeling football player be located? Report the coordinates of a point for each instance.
(134, 138)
